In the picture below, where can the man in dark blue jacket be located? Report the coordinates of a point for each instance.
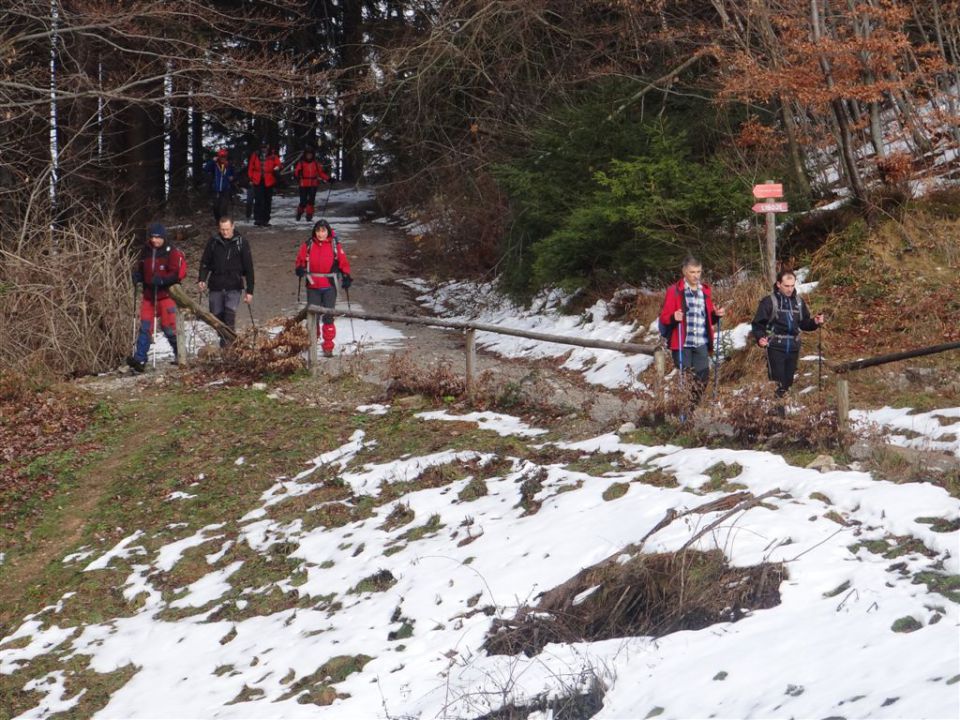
(221, 183)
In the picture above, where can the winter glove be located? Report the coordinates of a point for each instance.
(158, 282)
(137, 277)
(346, 281)
(301, 272)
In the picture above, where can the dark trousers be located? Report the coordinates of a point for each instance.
(262, 204)
(781, 367)
(308, 198)
(221, 204)
(696, 361)
(223, 305)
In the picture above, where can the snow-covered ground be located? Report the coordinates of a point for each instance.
(829, 649)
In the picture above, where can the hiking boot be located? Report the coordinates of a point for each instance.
(309, 217)
(137, 365)
(328, 353)
(299, 214)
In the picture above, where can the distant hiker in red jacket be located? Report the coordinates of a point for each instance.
(309, 173)
(689, 314)
(322, 262)
(262, 169)
(160, 266)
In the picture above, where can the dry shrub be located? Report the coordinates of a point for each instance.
(650, 595)
(808, 421)
(256, 352)
(66, 297)
(437, 381)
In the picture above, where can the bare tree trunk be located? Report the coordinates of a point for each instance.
(843, 126)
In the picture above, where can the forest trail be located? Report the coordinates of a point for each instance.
(375, 251)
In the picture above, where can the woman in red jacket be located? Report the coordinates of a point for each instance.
(309, 172)
(322, 262)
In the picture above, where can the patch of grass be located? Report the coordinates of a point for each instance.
(893, 546)
(431, 527)
(378, 582)
(473, 490)
(317, 687)
(597, 464)
(841, 588)
(906, 624)
(940, 525)
(401, 514)
(530, 486)
(615, 491)
(946, 585)
(659, 477)
(720, 474)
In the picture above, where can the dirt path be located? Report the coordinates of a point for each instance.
(377, 253)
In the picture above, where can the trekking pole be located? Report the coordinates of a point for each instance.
(252, 321)
(327, 198)
(716, 362)
(680, 363)
(156, 316)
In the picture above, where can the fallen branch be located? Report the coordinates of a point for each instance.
(184, 301)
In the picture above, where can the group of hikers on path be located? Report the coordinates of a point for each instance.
(689, 321)
(227, 276)
(261, 176)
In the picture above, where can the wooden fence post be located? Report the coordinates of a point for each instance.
(471, 359)
(312, 334)
(660, 364)
(843, 402)
(182, 358)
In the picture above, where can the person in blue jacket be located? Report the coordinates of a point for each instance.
(221, 183)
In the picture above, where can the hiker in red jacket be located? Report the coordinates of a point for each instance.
(262, 169)
(309, 173)
(689, 315)
(322, 262)
(160, 266)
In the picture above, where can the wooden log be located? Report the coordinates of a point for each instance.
(182, 300)
(484, 327)
(893, 357)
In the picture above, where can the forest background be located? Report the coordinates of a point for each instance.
(583, 143)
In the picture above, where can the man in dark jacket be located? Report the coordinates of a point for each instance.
(227, 269)
(780, 317)
(689, 315)
(160, 265)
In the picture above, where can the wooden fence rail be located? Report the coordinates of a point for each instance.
(470, 329)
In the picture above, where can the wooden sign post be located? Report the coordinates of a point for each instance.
(765, 191)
